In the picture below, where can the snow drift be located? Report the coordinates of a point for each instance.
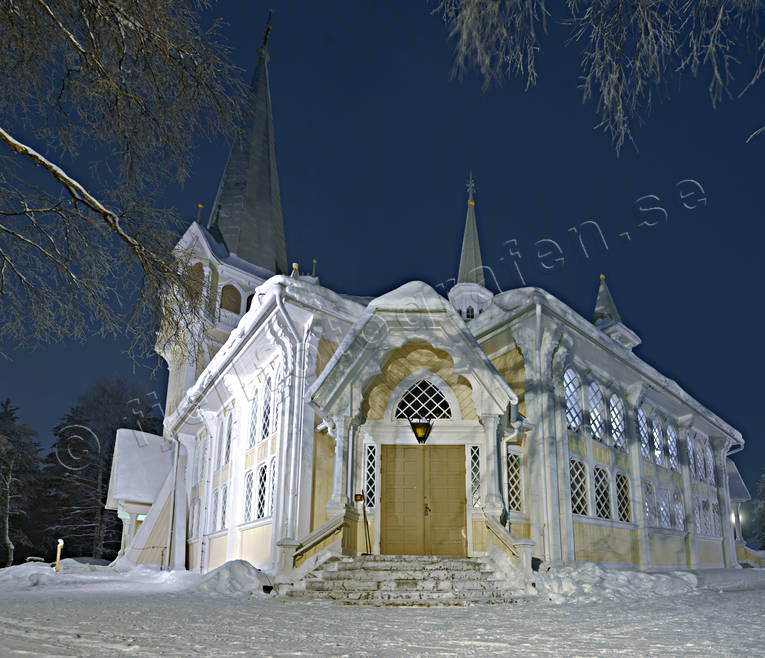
(235, 577)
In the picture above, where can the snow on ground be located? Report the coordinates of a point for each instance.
(89, 610)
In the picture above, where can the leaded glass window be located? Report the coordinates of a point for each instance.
(223, 505)
(706, 518)
(678, 510)
(578, 477)
(649, 504)
(697, 516)
(260, 500)
(514, 496)
(265, 414)
(475, 476)
(616, 408)
(227, 444)
(623, 498)
(709, 463)
(602, 493)
(716, 529)
(700, 470)
(253, 422)
(597, 411)
(672, 447)
(572, 390)
(691, 459)
(248, 483)
(272, 490)
(664, 515)
(658, 442)
(214, 512)
(423, 400)
(642, 423)
(370, 474)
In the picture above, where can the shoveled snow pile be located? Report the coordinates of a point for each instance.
(235, 577)
(588, 583)
(75, 574)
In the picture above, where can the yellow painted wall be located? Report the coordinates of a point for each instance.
(520, 530)
(647, 468)
(255, 544)
(323, 467)
(512, 369)
(402, 362)
(216, 552)
(479, 536)
(710, 552)
(601, 454)
(157, 540)
(664, 476)
(668, 549)
(597, 543)
(577, 445)
(746, 553)
(622, 461)
(361, 541)
(249, 459)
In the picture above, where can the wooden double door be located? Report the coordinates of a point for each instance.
(423, 500)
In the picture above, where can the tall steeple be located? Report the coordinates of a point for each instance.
(471, 266)
(247, 213)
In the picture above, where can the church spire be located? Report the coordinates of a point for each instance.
(471, 266)
(247, 213)
(607, 318)
(605, 308)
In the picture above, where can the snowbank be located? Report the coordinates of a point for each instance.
(588, 583)
(235, 577)
(74, 574)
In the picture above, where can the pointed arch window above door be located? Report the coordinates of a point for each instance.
(423, 400)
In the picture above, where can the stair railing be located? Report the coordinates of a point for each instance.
(519, 548)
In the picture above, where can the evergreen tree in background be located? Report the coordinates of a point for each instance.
(75, 478)
(19, 471)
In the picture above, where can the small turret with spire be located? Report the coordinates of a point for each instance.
(607, 318)
(470, 296)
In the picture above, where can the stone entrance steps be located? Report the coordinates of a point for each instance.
(406, 580)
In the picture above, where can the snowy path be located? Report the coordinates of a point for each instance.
(98, 623)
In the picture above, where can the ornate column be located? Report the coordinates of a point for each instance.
(339, 499)
(635, 395)
(685, 472)
(493, 501)
(720, 446)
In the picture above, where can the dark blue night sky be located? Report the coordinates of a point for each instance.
(375, 141)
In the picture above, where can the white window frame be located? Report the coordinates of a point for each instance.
(515, 452)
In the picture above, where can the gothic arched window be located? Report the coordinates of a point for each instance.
(469, 313)
(645, 444)
(572, 391)
(265, 416)
(423, 400)
(616, 408)
(597, 411)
